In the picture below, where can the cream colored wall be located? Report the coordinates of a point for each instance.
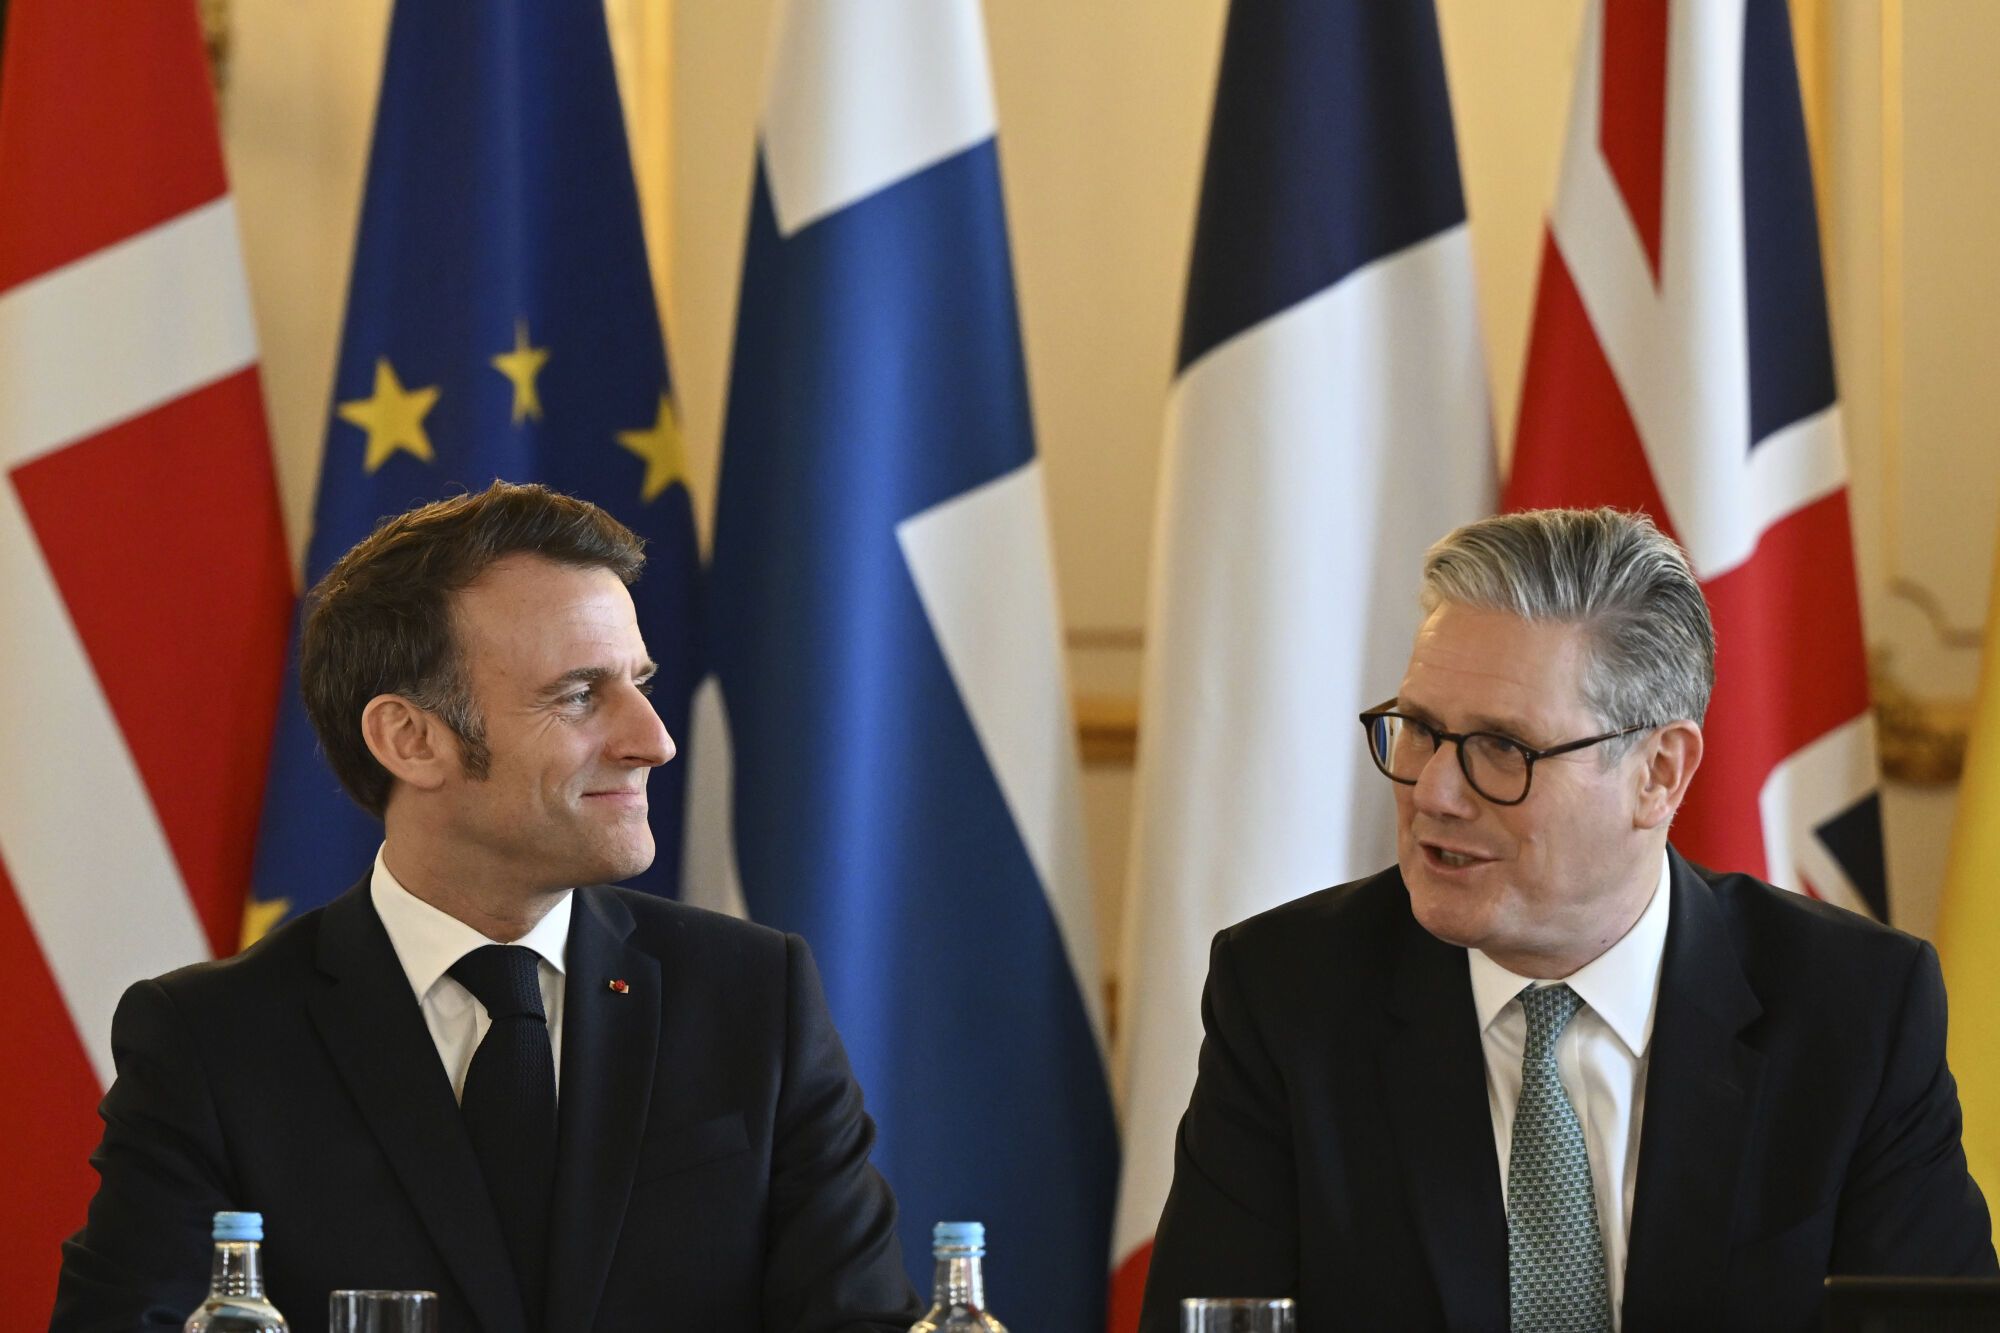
(1509, 68)
(296, 119)
(1912, 126)
(1103, 114)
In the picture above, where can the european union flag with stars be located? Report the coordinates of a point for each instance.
(500, 324)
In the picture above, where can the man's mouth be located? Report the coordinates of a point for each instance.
(1451, 858)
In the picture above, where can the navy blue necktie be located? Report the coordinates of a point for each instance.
(509, 1104)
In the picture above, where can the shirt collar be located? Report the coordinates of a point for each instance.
(428, 941)
(1622, 984)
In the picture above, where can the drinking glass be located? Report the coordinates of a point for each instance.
(1236, 1314)
(382, 1312)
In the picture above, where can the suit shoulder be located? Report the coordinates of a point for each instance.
(1325, 953)
(1816, 953)
(287, 951)
(227, 999)
(1764, 911)
(1355, 916)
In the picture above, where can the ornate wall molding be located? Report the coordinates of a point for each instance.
(1922, 740)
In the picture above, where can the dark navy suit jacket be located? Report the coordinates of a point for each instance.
(712, 1169)
(1338, 1149)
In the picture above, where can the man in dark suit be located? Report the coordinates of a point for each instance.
(560, 1108)
(1544, 1073)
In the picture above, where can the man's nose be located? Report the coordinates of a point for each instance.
(1441, 786)
(641, 738)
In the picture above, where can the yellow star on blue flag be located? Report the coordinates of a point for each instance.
(393, 417)
(660, 446)
(520, 366)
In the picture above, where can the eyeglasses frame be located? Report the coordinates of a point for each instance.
(1459, 738)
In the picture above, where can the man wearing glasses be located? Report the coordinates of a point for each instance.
(1543, 1072)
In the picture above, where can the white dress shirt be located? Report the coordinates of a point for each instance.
(428, 941)
(1601, 1056)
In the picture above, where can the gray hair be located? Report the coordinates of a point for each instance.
(1650, 647)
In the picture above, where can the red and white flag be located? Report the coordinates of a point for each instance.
(144, 582)
(1680, 364)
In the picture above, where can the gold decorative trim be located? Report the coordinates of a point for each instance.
(1900, 584)
(215, 35)
(1922, 740)
(1892, 283)
(1107, 730)
(1811, 22)
(1125, 637)
(1894, 184)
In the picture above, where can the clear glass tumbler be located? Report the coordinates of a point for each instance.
(382, 1312)
(1236, 1314)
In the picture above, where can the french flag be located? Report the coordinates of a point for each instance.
(1680, 364)
(885, 759)
(1328, 420)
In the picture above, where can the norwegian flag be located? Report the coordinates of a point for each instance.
(144, 584)
(1680, 364)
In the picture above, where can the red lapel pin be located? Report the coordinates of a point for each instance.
(617, 984)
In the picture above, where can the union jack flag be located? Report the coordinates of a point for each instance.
(1680, 364)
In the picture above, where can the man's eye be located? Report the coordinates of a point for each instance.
(1498, 749)
(646, 686)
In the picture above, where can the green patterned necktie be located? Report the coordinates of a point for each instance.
(1555, 1257)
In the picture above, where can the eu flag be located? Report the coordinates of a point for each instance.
(500, 323)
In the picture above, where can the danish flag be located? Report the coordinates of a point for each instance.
(1680, 364)
(144, 584)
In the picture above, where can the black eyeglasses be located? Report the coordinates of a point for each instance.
(1498, 767)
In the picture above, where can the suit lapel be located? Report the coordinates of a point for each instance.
(1434, 1074)
(1701, 1084)
(376, 1035)
(610, 1049)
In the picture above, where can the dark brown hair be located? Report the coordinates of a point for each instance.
(380, 622)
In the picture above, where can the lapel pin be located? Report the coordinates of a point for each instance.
(618, 986)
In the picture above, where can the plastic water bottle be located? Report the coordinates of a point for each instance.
(236, 1301)
(958, 1287)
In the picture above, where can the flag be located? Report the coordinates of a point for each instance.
(1327, 422)
(904, 787)
(1680, 364)
(144, 581)
(500, 324)
(1968, 928)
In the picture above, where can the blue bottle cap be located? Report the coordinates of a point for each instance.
(959, 1236)
(239, 1226)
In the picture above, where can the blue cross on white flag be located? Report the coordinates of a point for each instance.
(886, 643)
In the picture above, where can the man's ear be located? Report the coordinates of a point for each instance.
(415, 746)
(1669, 758)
